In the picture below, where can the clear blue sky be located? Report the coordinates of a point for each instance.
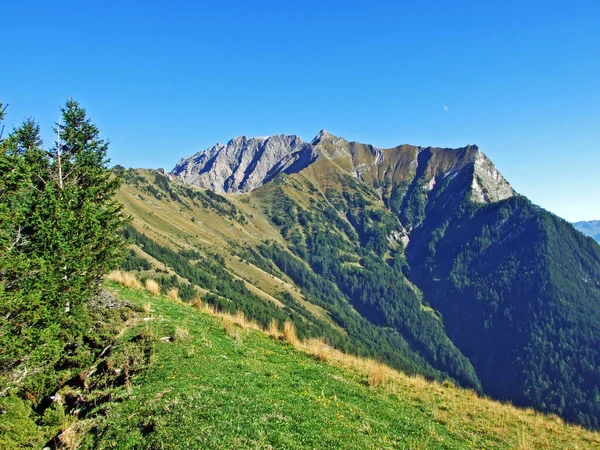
(166, 79)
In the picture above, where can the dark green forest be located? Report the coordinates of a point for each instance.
(351, 260)
(518, 289)
(527, 285)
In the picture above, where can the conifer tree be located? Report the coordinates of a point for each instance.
(23, 316)
(77, 222)
(58, 237)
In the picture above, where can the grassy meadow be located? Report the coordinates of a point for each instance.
(218, 381)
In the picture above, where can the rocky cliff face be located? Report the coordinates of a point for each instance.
(409, 164)
(488, 184)
(244, 164)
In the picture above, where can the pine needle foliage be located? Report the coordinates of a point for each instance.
(58, 237)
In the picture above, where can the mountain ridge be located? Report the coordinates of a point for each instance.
(244, 164)
(423, 257)
(589, 228)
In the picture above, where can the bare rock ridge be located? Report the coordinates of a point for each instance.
(488, 184)
(245, 164)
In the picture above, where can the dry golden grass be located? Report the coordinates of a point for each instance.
(238, 319)
(205, 307)
(147, 307)
(523, 442)
(152, 286)
(181, 334)
(289, 333)
(70, 438)
(173, 294)
(131, 281)
(73, 433)
(378, 374)
(124, 278)
(198, 304)
(273, 329)
(317, 347)
(230, 328)
(116, 276)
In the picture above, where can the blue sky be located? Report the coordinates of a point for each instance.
(165, 79)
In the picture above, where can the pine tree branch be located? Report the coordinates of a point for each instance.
(1, 116)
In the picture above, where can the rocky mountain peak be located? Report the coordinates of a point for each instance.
(590, 228)
(323, 134)
(330, 146)
(243, 164)
(488, 184)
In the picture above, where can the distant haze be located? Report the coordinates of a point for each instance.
(591, 228)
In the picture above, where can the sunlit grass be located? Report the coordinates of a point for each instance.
(220, 381)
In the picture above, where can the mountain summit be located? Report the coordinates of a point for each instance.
(244, 164)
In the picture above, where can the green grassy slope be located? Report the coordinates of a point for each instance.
(217, 386)
(231, 233)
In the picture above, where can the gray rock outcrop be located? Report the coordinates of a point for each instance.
(244, 164)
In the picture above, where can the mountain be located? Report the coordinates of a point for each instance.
(244, 164)
(421, 257)
(591, 228)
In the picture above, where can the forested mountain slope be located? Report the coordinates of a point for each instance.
(237, 259)
(422, 257)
